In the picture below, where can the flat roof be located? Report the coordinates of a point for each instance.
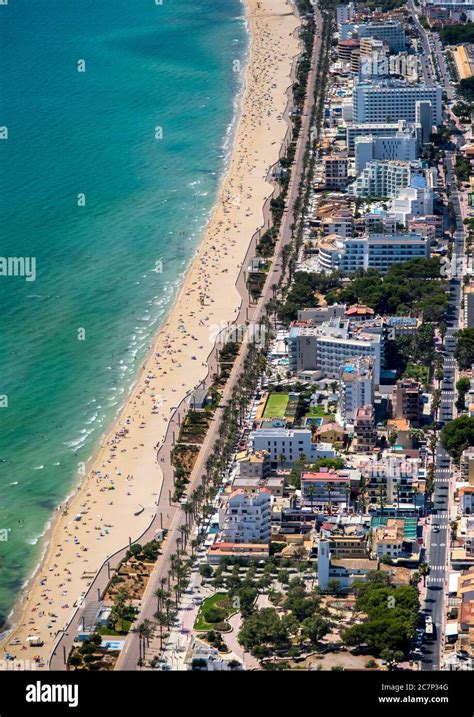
(453, 582)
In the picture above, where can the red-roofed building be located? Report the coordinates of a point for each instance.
(358, 312)
(324, 487)
(244, 551)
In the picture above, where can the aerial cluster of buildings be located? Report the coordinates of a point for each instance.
(442, 13)
(334, 468)
(337, 468)
(376, 203)
(335, 456)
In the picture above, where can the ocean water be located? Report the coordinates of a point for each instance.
(107, 271)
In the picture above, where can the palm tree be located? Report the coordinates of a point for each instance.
(311, 493)
(184, 530)
(397, 490)
(347, 488)
(282, 459)
(392, 437)
(424, 570)
(300, 464)
(328, 489)
(382, 493)
(161, 594)
(162, 620)
(145, 631)
(416, 435)
(433, 442)
(442, 330)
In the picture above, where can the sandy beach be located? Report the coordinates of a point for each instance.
(126, 475)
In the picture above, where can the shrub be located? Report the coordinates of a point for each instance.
(75, 660)
(206, 571)
(215, 614)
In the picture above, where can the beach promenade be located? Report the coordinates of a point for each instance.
(123, 489)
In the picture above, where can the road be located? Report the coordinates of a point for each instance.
(432, 51)
(130, 653)
(438, 535)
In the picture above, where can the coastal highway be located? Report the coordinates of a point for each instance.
(129, 657)
(439, 530)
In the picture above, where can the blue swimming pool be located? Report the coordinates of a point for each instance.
(316, 421)
(112, 645)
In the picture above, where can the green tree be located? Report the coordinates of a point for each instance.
(458, 435)
(263, 629)
(464, 351)
(314, 628)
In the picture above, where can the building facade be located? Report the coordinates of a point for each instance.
(356, 387)
(389, 101)
(381, 179)
(246, 518)
(364, 429)
(401, 147)
(286, 445)
(373, 251)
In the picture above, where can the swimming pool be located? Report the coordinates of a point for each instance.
(311, 421)
(112, 645)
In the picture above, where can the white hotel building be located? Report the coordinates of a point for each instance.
(356, 387)
(325, 349)
(390, 100)
(402, 146)
(291, 443)
(381, 179)
(378, 129)
(372, 251)
(246, 518)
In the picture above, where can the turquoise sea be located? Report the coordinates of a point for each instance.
(92, 133)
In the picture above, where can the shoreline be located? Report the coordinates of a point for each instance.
(44, 538)
(163, 369)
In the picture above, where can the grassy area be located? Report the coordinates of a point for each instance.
(121, 628)
(218, 600)
(319, 412)
(420, 373)
(315, 412)
(276, 405)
